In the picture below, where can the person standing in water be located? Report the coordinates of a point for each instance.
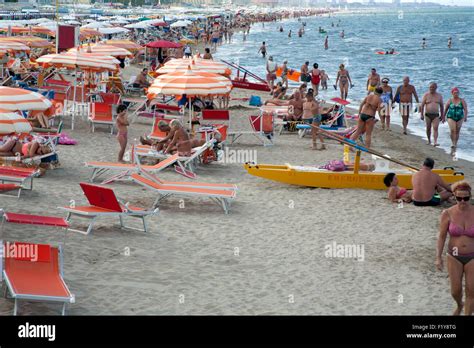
(456, 113)
(284, 74)
(289, 33)
(263, 50)
(304, 74)
(423, 43)
(387, 97)
(344, 80)
(373, 81)
(326, 42)
(367, 110)
(281, 29)
(342, 34)
(432, 112)
(450, 43)
(405, 94)
(271, 73)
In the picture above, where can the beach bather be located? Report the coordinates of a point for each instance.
(458, 223)
(428, 187)
(181, 141)
(432, 112)
(14, 147)
(396, 193)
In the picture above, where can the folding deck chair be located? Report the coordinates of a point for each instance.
(104, 203)
(221, 196)
(101, 113)
(16, 178)
(125, 169)
(262, 128)
(218, 119)
(37, 275)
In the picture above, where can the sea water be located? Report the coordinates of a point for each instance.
(366, 33)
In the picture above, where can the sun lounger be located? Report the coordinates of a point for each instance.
(125, 169)
(221, 196)
(104, 203)
(16, 178)
(39, 279)
(262, 128)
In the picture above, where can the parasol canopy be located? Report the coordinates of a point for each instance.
(21, 99)
(11, 122)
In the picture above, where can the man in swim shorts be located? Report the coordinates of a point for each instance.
(405, 93)
(432, 112)
(373, 81)
(263, 50)
(271, 73)
(428, 187)
(305, 76)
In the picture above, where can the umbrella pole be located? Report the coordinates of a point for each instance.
(74, 99)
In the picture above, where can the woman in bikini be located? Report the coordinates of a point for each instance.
(458, 222)
(456, 113)
(312, 116)
(14, 147)
(396, 193)
(122, 127)
(367, 110)
(344, 80)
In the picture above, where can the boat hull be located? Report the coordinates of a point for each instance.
(250, 85)
(347, 179)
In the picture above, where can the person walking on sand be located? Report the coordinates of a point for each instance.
(456, 113)
(326, 42)
(373, 81)
(429, 189)
(344, 80)
(367, 110)
(458, 223)
(387, 97)
(404, 95)
(432, 112)
(315, 78)
(122, 133)
(312, 116)
(263, 50)
(271, 73)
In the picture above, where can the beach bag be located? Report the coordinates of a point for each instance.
(255, 101)
(397, 96)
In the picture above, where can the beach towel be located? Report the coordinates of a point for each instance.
(65, 140)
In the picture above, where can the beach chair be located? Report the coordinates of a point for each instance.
(101, 114)
(222, 197)
(125, 169)
(111, 98)
(262, 128)
(16, 178)
(219, 119)
(104, 203)
(39, 279)
(129, 86)
(156, 133)
(34, 272)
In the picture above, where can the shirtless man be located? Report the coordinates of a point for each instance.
(141, 80)
(305, 77)
(367, 110)
(271, 73)
(373, 81)
(181, 140)
(406, 92)
(164, 127)
(432, 109)
(428, 187)
(263, 49)
(295, 110)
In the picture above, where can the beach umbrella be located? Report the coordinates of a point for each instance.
(30, 41)
(196, 64)
(113, 30)
(163, 44)
(160, 24)
(12, 45)
(86, 33)
(14, 99)
(96, 25)
(104, 50)
(181, 24)
(15, 30)
(126, 44)
(76, 59)
(44, 30)
(11, 122)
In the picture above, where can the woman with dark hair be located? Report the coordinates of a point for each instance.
(396, 193)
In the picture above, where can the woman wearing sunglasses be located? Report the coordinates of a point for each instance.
(458, 222)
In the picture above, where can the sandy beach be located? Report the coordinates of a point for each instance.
(266, 257)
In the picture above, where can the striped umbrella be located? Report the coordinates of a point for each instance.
(126, 44)
(86, 33)
(30, 41)
(190, 83)
(79, 60)
(14, 99)
(104, 50)
(43, 30)
(12, 46)
(196, 65)
(11, 122)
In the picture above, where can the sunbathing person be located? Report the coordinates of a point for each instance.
(13, 147)
(181, 142)
(396, 193)
(295, 111)
(428, 187)
(38, 119)
(159, 144)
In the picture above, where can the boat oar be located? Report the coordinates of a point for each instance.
(357, 146)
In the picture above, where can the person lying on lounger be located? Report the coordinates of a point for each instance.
(13, 147)
(38, 119)
(181, 142)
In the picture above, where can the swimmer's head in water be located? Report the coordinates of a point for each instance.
(285, 62)
(378, 90)
(175, 124)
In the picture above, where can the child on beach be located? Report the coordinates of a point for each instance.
(122, 127)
